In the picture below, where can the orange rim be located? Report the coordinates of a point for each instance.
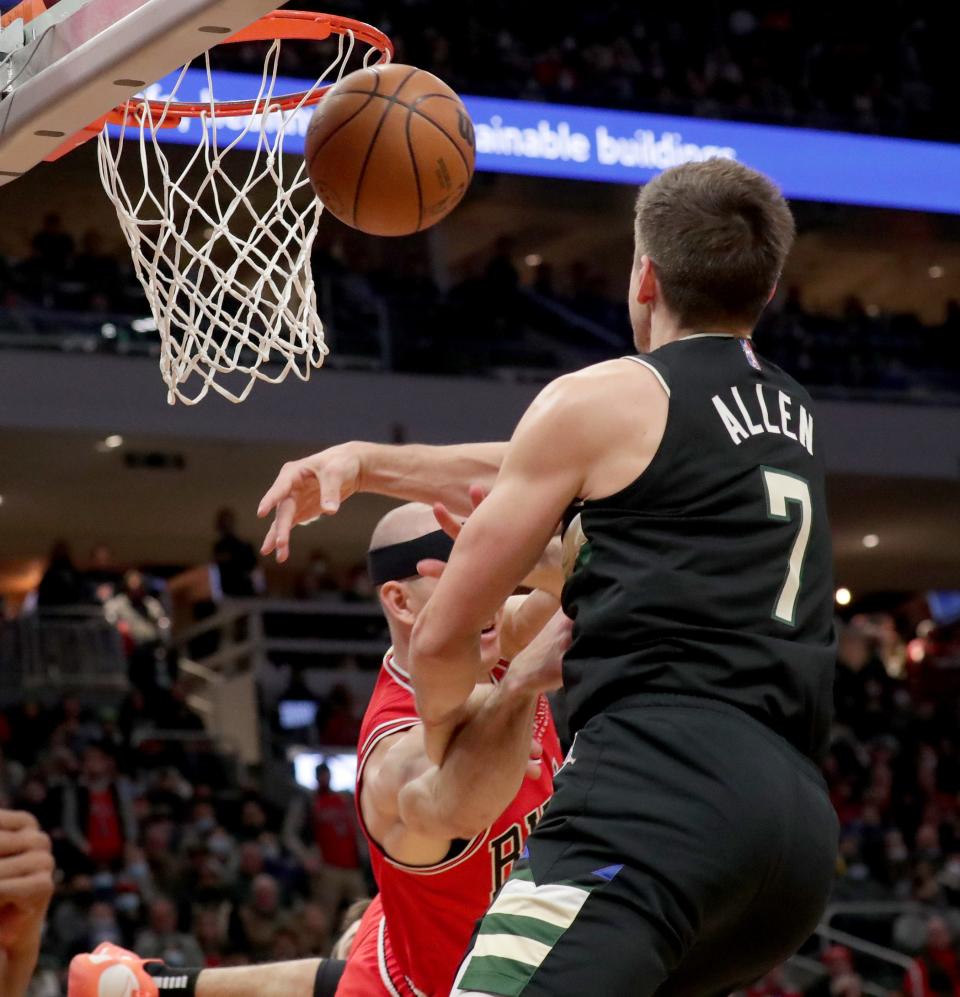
(285, 25)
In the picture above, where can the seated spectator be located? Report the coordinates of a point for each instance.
(313, 927)
(162, 940)
(12, 774)
(260, 918)
(838, 962)
(938, 965)
(162, 858)
(210, 931)
(772, 985)
(250, 865)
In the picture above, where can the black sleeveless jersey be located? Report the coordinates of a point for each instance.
(711, 574)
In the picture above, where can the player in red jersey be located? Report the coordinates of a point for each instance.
(443, 838)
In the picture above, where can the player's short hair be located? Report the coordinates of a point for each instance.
(718, 234)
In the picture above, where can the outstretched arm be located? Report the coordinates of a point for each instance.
(317, 485)
(415, 808)
(276, 979)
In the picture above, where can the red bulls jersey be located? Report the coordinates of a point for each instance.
(413, 938)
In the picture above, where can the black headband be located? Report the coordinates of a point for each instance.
(400, 560)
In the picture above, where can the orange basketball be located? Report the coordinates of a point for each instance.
(390, 150)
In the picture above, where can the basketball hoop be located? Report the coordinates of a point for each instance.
(222, 246)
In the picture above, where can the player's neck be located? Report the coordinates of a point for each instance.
(401, 648)
(670, 332)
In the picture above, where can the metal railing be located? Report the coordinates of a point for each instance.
(56, 650)
(882, 954)
(241, 630)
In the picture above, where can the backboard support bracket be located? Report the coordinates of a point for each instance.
(80, 67)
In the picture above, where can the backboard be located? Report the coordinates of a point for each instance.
(67, 63)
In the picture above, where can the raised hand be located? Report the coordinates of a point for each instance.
(306, 489)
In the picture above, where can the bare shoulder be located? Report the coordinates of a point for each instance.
(603, 393)
(598, 380)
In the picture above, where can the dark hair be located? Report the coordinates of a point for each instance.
(718, 234)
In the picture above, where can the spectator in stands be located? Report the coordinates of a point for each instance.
(861, 685)
(210, 931)
(317, 579)
(96, 271)
(313, 926)
(98, 818)
(501, 275)
(840, 978)
(162, 940)
(772, 985)
(235, 558)
(260, 918)
(12, 774)
(321, 830)
(337, 721)
(357, 586)
(103, 579)
(52, 246)
(938, 964)
(162, 860)
(145, 628)
(250, 864)
(102, 925)
(61, 584)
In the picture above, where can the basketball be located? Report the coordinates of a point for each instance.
(390, 150)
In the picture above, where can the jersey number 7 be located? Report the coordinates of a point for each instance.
(782, 489)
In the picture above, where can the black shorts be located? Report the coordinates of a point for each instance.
(687, 850)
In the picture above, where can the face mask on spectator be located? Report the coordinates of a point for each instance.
(220, 845)
(128, 903)
(104, 929)
(204, 825)
(270, 850)
(138, 870)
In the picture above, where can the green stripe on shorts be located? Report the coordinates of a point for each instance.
(520, 924)
(494, 974)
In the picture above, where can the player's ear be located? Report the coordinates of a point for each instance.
(646, 280)
(773, 292)
(395, 600)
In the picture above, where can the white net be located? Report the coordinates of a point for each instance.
(222, 244)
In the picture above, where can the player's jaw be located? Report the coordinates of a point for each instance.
(640, 319)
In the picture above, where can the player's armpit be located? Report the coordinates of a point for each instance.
(411, 838)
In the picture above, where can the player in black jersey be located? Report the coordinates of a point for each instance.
(690, 845)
